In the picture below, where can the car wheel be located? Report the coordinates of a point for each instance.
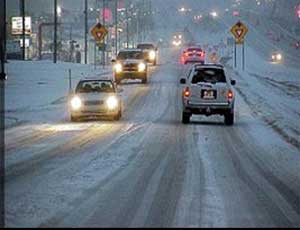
(118, 116)
(73, 119)
(186, 117)
(144, 80)
(117, 80)
(229, 119)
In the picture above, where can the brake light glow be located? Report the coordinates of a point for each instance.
(230, 95)
(187, 92)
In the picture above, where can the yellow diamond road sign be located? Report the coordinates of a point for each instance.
(99, 32)
(239, 31)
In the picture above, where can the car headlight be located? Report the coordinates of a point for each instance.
(273, 57)
(279, 57)
(112, 102)
(76, 103)
(141, 67)
(118, 68)
(152, 55)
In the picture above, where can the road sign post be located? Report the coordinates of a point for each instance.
(244, 56)
(239, 31)
(99, 33)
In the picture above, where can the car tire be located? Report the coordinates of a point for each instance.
(186, 118)
(118, 116)
(229, 119)
(117, 80)
(144, 79)
(73, 119)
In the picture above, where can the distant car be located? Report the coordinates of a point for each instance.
(177, 40)
(296, 45)
(150, 52)
(276, 57)
(95, 98)
(208, 91)
(193, 55)
(130, 64)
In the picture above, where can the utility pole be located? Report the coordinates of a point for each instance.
(2, 102)
(116, 28)
(22, 9)
(2, 51)
(103, 23)
(127, 25)
(4, 31)
(55, 32)
(144, 24)
(85, 29)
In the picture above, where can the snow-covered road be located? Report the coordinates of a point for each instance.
(150, 170)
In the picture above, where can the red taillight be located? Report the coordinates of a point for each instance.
(230, 95)
(187, 92)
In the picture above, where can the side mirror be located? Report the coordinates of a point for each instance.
(233, 82)
(113, 60)
(183, 81)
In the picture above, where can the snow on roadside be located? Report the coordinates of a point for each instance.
(272, 92)
(37, 89)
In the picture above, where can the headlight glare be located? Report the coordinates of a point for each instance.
(152, 55)
(76, 103)
(118, 68)
(279, 57)
(141, 67)
(112, 102)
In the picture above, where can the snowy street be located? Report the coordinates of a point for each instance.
(149, 169)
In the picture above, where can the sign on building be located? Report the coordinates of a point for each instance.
(17, 26)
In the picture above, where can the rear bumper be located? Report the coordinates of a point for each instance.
(208, 108)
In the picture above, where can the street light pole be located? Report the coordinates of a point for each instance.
(116, 28)
(103, 22)
(85, 30)
(55, 32)
(127, 25)
(2, 42)
(22, 9)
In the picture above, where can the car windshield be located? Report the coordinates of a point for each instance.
(209, 76)
(95, 87)
(130, 55)
(145, 46)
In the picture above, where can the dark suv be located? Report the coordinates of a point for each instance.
(130, 64)
(150, 52)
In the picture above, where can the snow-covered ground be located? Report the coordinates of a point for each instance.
(148, 169)
(36, 91)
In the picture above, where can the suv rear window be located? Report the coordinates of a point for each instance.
(95, 87)
(209, 75)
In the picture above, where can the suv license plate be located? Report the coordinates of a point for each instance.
(209, 94)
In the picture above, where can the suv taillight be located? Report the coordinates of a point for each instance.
(187, 92)
(230, 95)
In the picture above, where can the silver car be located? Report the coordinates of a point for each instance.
(208, 91)
(95, 98)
